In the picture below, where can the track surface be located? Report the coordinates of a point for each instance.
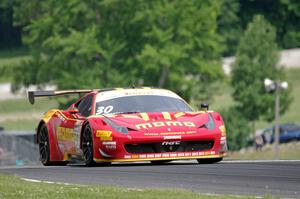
(238, 178)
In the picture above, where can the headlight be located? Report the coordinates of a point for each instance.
(210, 125)
(120, 129)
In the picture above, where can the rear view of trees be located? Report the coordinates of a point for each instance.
(83, 44)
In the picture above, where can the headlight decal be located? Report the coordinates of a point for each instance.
(116, 127)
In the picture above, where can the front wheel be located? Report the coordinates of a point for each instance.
(87, 146)
(209, 160)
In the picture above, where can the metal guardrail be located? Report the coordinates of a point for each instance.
(18, 148)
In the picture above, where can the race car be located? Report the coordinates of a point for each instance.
(128, 125)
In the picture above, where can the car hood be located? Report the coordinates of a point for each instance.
(161, 121)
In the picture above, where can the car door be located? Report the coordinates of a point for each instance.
(71, 127)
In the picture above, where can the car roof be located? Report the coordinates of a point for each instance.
(107, 94)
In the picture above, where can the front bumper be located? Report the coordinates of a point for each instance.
(126, 148)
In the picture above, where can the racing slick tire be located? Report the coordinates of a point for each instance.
(44, 148)
(209, 160)
(160, 162)
(87, 146)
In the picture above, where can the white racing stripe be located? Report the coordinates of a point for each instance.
(257, 161)
(49, 182)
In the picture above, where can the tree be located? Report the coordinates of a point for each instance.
(10, 36)
(230, 25)
(256, 59)
(80, 44)
(283, 14)
(237, 128)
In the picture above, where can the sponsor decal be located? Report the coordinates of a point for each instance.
(223, 130)
(104, 135)
(170, 155)
(65, 134)
(135, 156)
(172, 137)
(187, 154)
(170, 133)
(170, 143)
(77, 130)
(165, 155)
(60, 117)
(180, 154)
(111, 145)
(161, 124)
(157, 155)
(150, 156)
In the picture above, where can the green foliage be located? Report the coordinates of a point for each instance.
(237, 128)
(256, 60)
(96, 44)
(283, 14)
(230, 25)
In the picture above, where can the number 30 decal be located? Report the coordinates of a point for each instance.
(104, 110)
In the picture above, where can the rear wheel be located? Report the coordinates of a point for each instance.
(87, 146)
(44, 148)
(209, 160)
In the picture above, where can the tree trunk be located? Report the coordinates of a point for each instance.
(163, 76)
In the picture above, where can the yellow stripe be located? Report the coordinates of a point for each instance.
(49, 115)
(177, 115)
(131, 116)
(166, 115)
(145, 116)
(150, 159)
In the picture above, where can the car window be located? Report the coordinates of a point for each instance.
(141, 103)
(85, 106)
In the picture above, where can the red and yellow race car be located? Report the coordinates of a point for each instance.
(127, 125)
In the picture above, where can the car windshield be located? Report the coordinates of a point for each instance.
(141, 103)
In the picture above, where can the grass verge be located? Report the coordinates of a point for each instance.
(289, 151)
(22, 105)
(20, 125)
(13, 187)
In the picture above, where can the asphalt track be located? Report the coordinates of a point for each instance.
(279, 178)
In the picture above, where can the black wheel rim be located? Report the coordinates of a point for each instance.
(87, 144)
(44, 145)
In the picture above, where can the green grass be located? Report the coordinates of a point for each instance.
(289, 151)
(13, 56)
(12, 187)
(20, 124)
(19, 114)
(23, 105)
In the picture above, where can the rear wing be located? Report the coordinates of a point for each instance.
(33, 94)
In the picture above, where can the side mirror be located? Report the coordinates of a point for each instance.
(204, 106)
(73, 110)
